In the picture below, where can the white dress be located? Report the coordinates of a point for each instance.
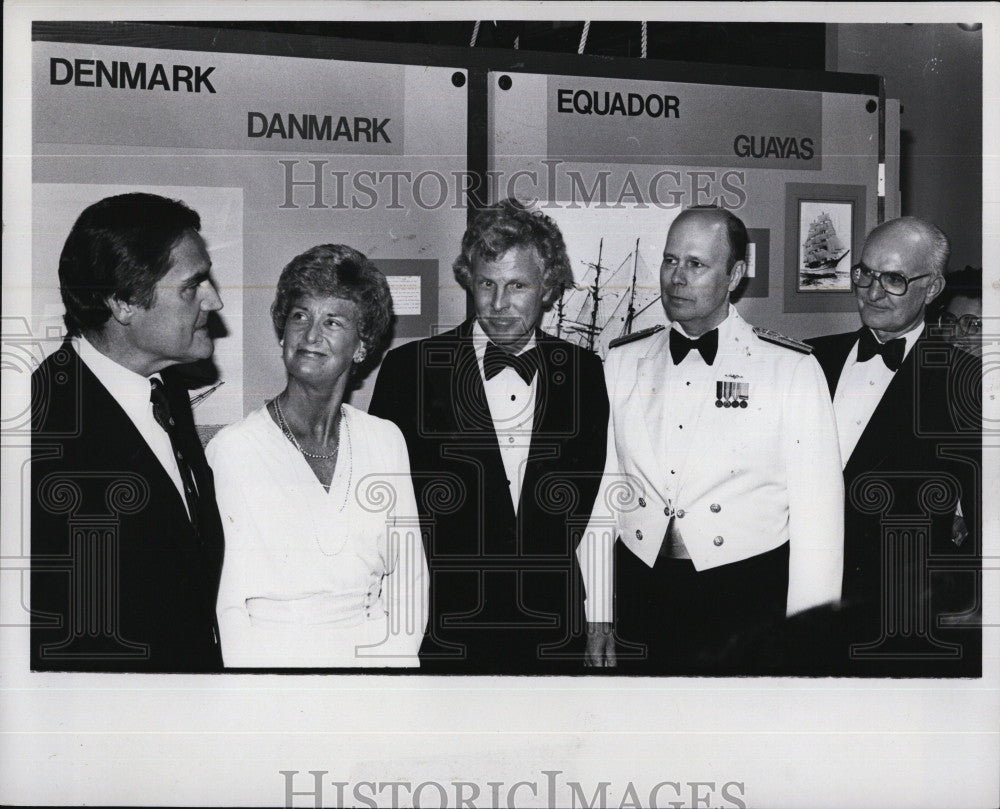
(314, 578)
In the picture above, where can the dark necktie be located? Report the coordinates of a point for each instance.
(496, 359)
(891, 352)
(707, 345)
(161, 412)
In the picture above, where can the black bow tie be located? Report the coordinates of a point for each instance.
(707, 345)
(891, 352)
(496, 359)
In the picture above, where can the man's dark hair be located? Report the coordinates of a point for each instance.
(119, 247)
(736, 231)
(964, 283)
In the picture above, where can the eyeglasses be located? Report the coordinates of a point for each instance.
(968, 325)
(895, 283)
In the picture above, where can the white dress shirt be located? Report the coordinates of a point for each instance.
(860, 389)
(512, 407)
(131, 391)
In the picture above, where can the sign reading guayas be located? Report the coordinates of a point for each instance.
(594, 120)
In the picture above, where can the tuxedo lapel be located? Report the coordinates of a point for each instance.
(553, 416)
(468, 396)
(832, 361)
(107, 418)
(894, 411)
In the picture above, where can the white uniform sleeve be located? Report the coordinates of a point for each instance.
(815, 490)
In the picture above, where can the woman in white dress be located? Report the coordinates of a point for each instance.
(324, 564)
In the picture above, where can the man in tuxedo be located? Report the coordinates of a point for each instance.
(909, 420)
(126, 541)
(505, 427)
(722, 477)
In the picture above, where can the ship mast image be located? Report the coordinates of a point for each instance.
(579, 316)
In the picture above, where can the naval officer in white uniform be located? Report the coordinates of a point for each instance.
(723, 475)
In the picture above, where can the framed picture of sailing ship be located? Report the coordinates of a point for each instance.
(825, 229)
(825, 226)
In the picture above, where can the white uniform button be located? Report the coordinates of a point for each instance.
(642, 503)
(718, 541)
(638, 534)
(715, 508)
(680, 513)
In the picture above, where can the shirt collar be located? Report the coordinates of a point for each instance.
(910, 337)
(129, 389)
(480, 341)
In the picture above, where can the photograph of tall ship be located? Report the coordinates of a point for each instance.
(821, 264)
(606, 302)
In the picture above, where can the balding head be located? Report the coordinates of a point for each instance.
(924, 241)
(908, 247)
(736, 231)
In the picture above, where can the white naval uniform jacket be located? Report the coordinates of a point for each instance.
(739, 480)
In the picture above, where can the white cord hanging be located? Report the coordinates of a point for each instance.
(645, 40)
(475, 34)
(583, 37)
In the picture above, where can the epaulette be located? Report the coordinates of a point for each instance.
(636, 335)
(770, 336)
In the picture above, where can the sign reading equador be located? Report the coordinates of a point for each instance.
(593, 120)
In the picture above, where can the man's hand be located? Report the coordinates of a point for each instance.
(600, 646)
(959, 530)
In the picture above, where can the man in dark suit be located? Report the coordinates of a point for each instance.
(506, 430)
(908, 411)
(126, 541)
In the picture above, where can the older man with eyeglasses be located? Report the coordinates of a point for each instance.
(908, 411)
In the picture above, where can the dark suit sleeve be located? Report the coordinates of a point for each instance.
(394, 397)
(966, 419)
(595, 410)
(591, 446)
(49, 585)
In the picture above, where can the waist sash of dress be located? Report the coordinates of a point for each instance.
(343, 609)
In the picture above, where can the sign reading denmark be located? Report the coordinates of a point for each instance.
(231, 101)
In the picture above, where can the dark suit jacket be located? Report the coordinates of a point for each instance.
(506, 590)
(120, 578)
(918, 457)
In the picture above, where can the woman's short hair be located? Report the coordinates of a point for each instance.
(498, 228)
(338, 271)
(119, 248)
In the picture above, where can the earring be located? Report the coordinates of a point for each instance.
(359, 357)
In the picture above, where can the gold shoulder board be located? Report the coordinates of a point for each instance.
(770, 336)
(636, 335)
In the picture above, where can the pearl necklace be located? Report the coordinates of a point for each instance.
(345, 434)
(283, 424)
